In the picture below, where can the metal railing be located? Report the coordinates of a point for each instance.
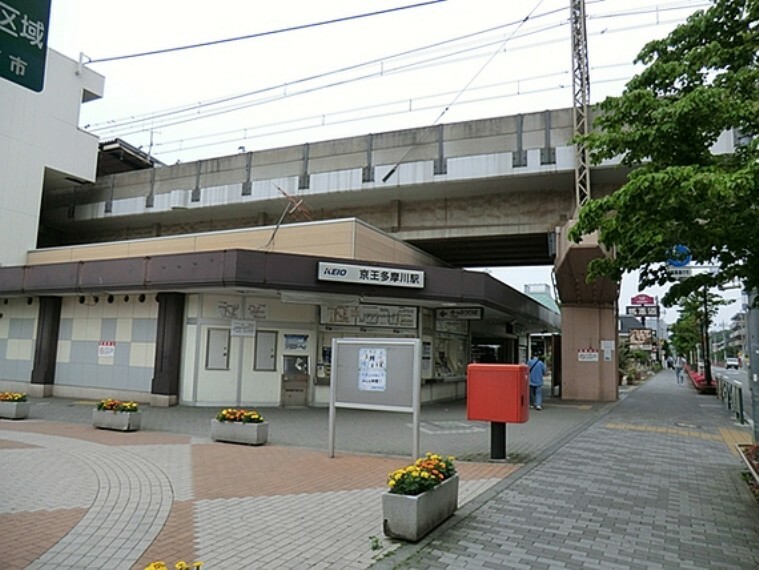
(731, 393)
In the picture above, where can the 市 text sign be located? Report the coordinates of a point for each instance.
(23, 41)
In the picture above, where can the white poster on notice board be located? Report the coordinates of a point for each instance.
(372, 369)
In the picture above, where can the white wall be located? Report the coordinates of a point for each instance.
(240, 383)
(39, 131)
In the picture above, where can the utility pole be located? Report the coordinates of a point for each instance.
(581, 97)
(707, 352)
(752, 333)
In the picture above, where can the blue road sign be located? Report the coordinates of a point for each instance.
(680, 256)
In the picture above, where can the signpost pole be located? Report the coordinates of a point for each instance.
(497, 440)
(707, 352)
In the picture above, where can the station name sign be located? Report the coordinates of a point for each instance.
(371, 275)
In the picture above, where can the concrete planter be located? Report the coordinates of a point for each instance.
(411, 518)
(239, 432)
(743, 450)
(15, 410)
(119, 421)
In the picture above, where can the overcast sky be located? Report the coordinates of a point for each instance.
(442, 62)
(365, 74)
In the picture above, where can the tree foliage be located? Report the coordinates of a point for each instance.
(699, 82)
(685, 335)
(697, 311)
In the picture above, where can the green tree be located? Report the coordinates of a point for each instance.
(696, 314)
(700, 81)
(685, 335)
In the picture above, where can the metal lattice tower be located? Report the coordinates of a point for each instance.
(581, 98)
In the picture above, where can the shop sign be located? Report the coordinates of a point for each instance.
(371, 275)
(643, 310)
(459, 314)
(642, 299)
(641, 339)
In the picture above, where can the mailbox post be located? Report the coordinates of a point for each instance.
(499, 394)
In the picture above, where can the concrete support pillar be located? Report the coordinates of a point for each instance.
(589, 353)
(45, 347)
(168, 350)
(589, 347)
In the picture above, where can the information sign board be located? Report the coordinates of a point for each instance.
(23, 42)
(643, 310)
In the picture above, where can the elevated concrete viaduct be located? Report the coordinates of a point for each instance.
(478, 193)
(493, 192)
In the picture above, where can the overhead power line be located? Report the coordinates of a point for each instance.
(179, 145)
(203, 104)
(159, 119)
(459, 94)
(412, 105)
(264, 34)
(171, 117)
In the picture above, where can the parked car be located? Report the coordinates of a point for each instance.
(731, 362)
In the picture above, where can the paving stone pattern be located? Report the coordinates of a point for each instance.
(650, 482)
(664, 493)
(122, 505)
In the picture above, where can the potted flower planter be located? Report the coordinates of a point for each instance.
(120, 421)
(412, 517)
(249, 433)
(14, 410)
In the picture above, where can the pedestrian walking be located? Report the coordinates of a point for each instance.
(537, 371)
(679, 365)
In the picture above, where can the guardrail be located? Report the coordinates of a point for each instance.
(731, 393)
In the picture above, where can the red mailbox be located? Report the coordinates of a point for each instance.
(498, 393)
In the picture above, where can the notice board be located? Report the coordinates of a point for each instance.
(382, 374)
